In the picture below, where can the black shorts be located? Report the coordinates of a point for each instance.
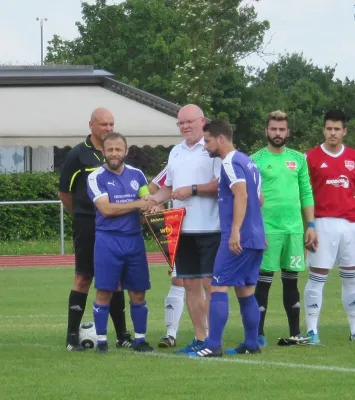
(196, 254)
(84, 241)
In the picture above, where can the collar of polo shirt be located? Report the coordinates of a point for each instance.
(88, 142)
(200, 142)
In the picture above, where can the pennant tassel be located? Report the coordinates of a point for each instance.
(165, 226)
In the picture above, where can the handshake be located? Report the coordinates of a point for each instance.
(149, 204)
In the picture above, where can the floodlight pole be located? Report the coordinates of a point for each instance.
(41, 21)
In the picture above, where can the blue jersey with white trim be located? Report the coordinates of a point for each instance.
(120, 188)
(238, 167)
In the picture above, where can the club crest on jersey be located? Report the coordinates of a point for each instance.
(134, 185)
(292, 165)
(350, 165)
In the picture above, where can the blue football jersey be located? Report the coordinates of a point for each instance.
(238, 167)
(120, 188)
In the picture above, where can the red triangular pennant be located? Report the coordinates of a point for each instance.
(165, 227)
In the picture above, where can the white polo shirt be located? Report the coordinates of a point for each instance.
(189, 166)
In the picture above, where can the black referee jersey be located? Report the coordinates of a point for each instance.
(80, 162)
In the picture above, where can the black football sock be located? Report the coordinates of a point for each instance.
(76, 309)
(262, 296)
(118, 314)
(291, 298)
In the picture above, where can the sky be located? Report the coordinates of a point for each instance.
(323, 30)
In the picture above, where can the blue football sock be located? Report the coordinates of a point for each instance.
(219, 310)
(250, 312)
(139, 315)
(101, 313)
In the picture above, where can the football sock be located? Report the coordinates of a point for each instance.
(101, 313)
(218, 317)
(313, 296)
(250, 312)
(291, 299)
(139, 315)
(76, 308)
(348, 295)
(174, 306)
(117, 312)
(262, 296)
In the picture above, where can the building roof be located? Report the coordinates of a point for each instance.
(51, 75)
(51, 106)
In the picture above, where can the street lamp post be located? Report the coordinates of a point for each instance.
(41, 20)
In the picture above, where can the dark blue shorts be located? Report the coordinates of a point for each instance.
(236, 270)
(120, 260)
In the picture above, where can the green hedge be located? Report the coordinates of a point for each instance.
(32, 222)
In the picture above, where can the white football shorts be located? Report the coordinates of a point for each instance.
(336, 244)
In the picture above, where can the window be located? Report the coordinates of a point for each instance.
(12, 159)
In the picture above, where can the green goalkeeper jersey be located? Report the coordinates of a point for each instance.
(286, 188)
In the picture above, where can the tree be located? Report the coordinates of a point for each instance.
(62, 52)
(188, 52)
(218, 33)
(137, 40)
(300, 88)
(159, 46)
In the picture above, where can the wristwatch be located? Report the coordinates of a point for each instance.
(194, 190)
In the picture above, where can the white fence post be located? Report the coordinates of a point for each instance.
(62, 251)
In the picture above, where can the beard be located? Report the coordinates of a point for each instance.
(115, 164)
(277, 141)
(213, 153)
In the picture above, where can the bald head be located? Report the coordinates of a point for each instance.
(191, 110)
(190, 122)
(101, 123)
(99, 113)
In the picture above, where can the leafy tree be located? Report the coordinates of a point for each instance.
(219, 33)
(189, 51)
(137, 40)
(62, 52)
(160, 46)
(300, 88)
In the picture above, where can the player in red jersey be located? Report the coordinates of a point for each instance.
(175, 300)
(332, 172)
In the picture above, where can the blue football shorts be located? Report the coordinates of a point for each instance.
(120, 260)
(236, 270)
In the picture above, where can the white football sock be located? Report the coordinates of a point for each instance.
(348, 295)
(174, 306)
(313, 296)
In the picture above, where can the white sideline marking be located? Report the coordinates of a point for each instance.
(329, 368)
(235, 360)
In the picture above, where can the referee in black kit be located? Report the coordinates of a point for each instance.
(80, 162)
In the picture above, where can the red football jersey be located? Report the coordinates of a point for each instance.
(159, 180)
(333, 182)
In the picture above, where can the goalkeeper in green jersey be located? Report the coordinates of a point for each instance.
(287, 193)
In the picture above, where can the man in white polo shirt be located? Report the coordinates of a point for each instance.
(192, 182)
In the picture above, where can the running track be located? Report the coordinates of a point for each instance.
(57, 260)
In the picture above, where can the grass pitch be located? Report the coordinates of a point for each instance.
(48, 246)
(35, 365)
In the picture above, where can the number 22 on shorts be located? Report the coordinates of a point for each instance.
(295, 262)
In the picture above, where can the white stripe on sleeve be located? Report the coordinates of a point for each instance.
(229, 170)
(93, 184)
